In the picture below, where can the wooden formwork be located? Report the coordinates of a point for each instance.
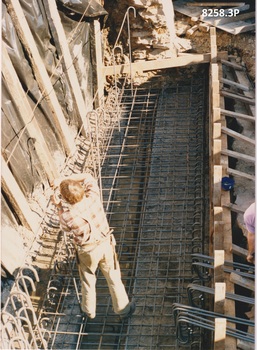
(220, 216)
(221, 244)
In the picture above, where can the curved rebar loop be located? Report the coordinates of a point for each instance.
(37, 341)
(21, 303)
(29, 267)
(12, 330)
(21, 280)
(18, 342)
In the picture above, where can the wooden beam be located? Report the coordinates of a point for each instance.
(144, 66)
(234, 84)
(216, 130)
(233, 207)
(243, 78)
(238, 97)
(245, 345)
(216, 4)
(213, 46)
(218, 213)
(236, 115)
(217, 176)
(218, 235)
(238, 155)
(235, 249)
(242, 281)
(232, 19)
(219, 297)
(241, 174)
(99, 79)
(217, 146)
(231, 64)
(219, 258)
(62, 46)
(23, 31)
(26, 113)
(220, 333)
(244, 28)
(237, 135)
(216, 114)
(17, 199)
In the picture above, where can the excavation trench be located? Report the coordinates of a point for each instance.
(154, 177)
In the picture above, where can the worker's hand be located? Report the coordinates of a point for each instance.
(56, 200)
(250, 258)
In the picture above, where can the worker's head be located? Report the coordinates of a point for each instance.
(71, 191)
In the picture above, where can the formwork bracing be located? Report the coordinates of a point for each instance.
(152, 164)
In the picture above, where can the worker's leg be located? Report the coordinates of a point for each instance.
(112, 274)
(88, 263)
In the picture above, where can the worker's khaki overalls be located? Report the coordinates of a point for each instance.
(103, 255)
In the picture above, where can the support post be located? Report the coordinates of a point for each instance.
(98, 65)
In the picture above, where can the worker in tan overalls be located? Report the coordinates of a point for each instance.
(81, 212)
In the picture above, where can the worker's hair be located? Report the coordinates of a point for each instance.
(72, 191)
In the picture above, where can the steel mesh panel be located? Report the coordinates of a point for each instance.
(154, 177)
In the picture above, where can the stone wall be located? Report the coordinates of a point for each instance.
(152, 31)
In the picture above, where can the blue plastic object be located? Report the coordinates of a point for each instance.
(227, 183)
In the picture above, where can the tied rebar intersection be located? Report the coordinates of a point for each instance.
(148, 148)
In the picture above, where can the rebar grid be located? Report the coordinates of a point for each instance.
(150, 155)
(154, 177)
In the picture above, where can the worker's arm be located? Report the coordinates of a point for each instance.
(251, 246)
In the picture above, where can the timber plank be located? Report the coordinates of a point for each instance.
(229, 306)
(238, 97)
(234, 84)
(67, 61)
(26, 113)
(220, 334)
(242, 78)
(235, 249)
(242, 281)
(232, 19)
(17, 198)
(240, 173)
(233, 207)
(232, 64)
(238, 155)
(237, 135)
(236, 115)
(39, 69)
(216, 4)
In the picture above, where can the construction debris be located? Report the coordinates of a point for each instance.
(230, 17)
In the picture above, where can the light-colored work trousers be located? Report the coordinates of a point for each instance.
(102, 256)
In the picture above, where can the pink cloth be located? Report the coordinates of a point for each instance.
(249, 218)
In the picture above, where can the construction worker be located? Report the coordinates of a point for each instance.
(81, 212)
(249, 220)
